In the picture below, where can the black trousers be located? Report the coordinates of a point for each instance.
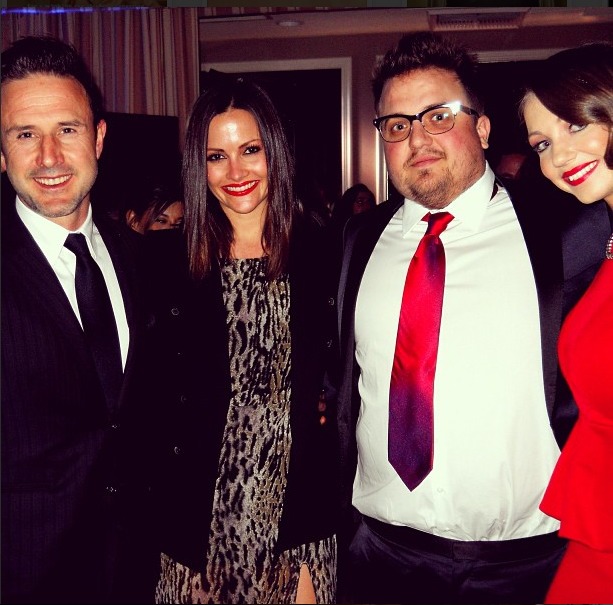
(390, 564)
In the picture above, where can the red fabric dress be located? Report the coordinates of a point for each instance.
(580, 493)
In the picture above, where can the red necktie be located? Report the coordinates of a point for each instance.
(411, 422)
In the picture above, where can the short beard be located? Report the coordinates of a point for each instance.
(434, 195)
(65, 210)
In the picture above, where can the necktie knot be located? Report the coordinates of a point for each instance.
(76, 243)
(437, 222)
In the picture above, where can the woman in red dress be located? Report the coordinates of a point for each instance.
(568, 111)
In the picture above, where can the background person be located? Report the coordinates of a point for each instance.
(468, 528)
(568, 111)
(155, 207)
(246, 464)
(362, 198)
(355, 200)
(68, 425)
(509, 166)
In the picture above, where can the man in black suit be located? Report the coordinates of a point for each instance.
(68, 534)
(470, 529)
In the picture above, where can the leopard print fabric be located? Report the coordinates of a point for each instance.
(242, 566)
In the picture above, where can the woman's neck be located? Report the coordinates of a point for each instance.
(243, 248)
(248, 229)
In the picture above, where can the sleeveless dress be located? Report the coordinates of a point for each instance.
(580, 493)
(242, 563)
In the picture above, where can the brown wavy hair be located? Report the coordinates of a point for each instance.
(577, 86)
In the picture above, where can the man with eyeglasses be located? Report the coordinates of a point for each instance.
(463, 525)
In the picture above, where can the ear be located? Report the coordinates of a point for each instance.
(100, 134)
(3, 161)
(483, 130)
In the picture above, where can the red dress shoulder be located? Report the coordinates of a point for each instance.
(580, 493)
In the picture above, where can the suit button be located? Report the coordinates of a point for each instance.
(183, 398)
(331, 301)
(177, 450)
(329, 343)
(174, 311)
(115, 426)
(111, 490)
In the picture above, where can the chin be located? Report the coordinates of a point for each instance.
(587, 198)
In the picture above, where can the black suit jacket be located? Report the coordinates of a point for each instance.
(565, 253)
(65, 453)
(189, 347)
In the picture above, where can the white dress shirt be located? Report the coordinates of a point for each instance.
(494, 450)
(50, 238)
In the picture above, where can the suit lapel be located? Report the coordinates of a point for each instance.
(361, 236)
(544, 243)
(124, 270)
(117, 251)
(28, 266)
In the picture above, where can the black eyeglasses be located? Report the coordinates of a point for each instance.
(396, 127)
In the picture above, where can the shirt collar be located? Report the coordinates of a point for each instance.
(50, 236)
(468, 208)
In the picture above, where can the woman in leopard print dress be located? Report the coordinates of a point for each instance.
(245, 457)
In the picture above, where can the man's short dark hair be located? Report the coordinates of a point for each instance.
(48, 55)
(424, 50)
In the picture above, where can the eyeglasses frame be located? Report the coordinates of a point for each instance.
(455, 106)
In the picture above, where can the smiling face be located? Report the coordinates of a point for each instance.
(433, 169)
(571, 156)
(50, 146)
(237, 170)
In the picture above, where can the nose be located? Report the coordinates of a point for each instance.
(236, 169)
(561, 153)
(50, 151)
(418, 136)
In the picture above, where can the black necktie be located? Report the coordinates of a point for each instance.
(97, 318)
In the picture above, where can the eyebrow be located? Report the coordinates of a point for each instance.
(242, 146)
(426, 108)
(22, 128)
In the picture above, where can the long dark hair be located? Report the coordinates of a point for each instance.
(577, 86)
(209, 232)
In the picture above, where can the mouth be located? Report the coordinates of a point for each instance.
(54, 181)
(578, 175)
(424, 161)
(241, 188)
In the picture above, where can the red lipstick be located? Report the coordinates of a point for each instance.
(240, 189)
(579, 174)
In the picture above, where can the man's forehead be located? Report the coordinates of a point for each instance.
(423, 88)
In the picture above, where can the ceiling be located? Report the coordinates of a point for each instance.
(268, 24)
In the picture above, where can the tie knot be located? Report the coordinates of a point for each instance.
(437, 222)
(77, 243)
